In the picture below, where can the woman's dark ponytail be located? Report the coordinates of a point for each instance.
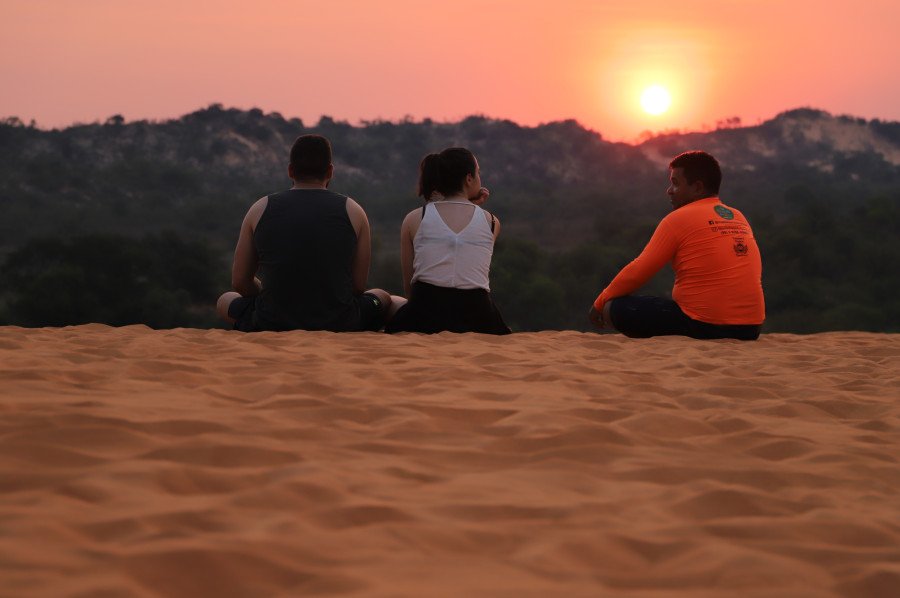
(429, 176)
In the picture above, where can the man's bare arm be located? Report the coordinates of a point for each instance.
(246, 261)
(363, 257)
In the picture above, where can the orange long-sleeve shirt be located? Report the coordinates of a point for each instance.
(718, 270)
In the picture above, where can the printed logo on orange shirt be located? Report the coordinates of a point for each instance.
(724, 212)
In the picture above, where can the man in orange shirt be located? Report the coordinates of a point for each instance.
(718, 287)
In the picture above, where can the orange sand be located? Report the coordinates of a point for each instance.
(211, 463)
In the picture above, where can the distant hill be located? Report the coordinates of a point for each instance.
(807, 137)
(560, 189)
(550, 183)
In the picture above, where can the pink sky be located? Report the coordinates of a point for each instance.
(65, 61)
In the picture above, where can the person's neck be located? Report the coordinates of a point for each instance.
(310, 185)
(687, 203)
(459, 196)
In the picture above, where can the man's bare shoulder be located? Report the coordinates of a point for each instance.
(354, 207)
(256, 211)
(357, 215)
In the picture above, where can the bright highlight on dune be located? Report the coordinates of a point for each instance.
(656, 99)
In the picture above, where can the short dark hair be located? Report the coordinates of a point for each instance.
(454, 164)
(311, 157)
(700, 166)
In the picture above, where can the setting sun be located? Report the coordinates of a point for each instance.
(655, 99)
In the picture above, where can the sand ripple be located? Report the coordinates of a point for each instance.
(209, 463)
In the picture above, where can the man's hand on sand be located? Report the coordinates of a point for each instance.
(483, 195)
(596, 318)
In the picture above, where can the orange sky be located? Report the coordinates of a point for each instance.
(63, 61)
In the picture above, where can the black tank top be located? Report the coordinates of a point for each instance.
(306, 244)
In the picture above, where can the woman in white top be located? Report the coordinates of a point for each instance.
(445, 251)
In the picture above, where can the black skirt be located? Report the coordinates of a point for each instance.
(434, 309)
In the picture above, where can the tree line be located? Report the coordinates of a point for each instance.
(821, 271)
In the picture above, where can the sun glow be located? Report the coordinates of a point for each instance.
(656, 99)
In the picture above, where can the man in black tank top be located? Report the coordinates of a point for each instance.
(302, 257)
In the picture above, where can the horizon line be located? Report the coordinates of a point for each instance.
(734, 122)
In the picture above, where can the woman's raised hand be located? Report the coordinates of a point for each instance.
(482, 197)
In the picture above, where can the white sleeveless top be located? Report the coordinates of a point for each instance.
(457, 260)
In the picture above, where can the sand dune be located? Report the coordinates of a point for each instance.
(211, 463)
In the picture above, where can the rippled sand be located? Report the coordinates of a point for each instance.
(209, 463)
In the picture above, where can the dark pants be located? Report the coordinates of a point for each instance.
(366, 316)
(643, 317)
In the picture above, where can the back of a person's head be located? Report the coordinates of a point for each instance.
(700, 166)
(311, 158)
(453, 165)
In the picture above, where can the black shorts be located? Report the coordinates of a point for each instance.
(432, 309)
(643, 317)
(370, 316)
